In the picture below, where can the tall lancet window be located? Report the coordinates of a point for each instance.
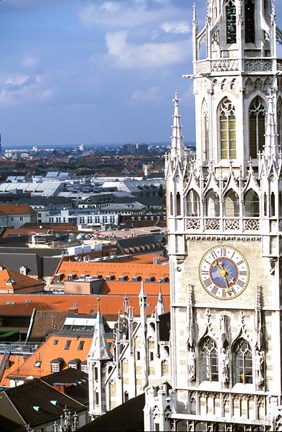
(250, 21)
(256, 127)
(227, 123)
(209, 360)
(193, 203)
(230, 9)
(205, 130)
(243, 363)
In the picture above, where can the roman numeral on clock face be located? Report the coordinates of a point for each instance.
(214, 255)
(240, 283)
(207, 282)
(223, 251)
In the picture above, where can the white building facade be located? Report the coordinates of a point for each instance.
(224, 213)
(139, 357)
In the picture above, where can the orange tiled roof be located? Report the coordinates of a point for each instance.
(16, 209)
(133, 288)
(16, 281)
(39, 363)
(129, 268)
(82, 304)
(15, 362)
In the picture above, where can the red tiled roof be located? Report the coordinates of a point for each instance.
(10, 279)
(15, 362)
(129, 268)
(49, 351)
(82, 304)
(128, 287)
(16, 209)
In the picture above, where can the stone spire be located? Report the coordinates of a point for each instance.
(99, 348)
(177, 145)
(271, 142)
(143, 337)
(160, 308)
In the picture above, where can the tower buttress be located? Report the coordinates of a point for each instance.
(224, 217)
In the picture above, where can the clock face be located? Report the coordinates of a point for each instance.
(224, 272)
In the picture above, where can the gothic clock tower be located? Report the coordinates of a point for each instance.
(224, 212)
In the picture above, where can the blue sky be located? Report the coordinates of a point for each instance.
(95, 71)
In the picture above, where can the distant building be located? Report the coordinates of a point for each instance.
(135, 148)
(16, 215)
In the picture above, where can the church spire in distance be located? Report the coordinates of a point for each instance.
(177, 145)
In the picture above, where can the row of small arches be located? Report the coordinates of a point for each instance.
(231, 204)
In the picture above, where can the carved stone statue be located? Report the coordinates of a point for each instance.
(191, 365)
(259, 362)
(224, 363)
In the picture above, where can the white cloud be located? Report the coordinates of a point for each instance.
(30, 61)
(149, 55)
(150, 94)
(18, 88)
(110, 7)
(116, 15)
(176, 27)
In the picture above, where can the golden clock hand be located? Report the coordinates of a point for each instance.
(227, 288)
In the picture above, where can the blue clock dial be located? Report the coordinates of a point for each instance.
(224, 272)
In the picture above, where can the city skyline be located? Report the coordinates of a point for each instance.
(95, 72)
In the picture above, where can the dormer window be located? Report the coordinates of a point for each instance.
(230, 9)
(10, 281)
(23, 270)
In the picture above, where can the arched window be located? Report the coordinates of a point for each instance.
(204, 130)
(249, 21)
(227, 121)
(193, 203)
(171, 203)
(178, 204)
(230, 9)
(181, 425)
(209, 360)
(272, 204)
(212, 204)
(251, 204)
(256, 127)
(214, 12)
(264, 204)
(231, 204)
(200, 427)
(243, 363)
